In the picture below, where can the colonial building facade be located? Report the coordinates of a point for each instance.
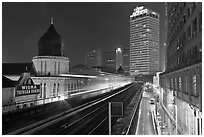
(181, 83)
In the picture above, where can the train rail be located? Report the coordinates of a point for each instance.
(43, 122)
(75, 120)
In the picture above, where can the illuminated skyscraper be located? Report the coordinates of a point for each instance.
(119, 58)
(144, 41)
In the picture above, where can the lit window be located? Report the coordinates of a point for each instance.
(148, 30)
(179, 83)
(195, 93)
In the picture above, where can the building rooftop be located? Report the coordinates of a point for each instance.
(17, 68)
(6, 82)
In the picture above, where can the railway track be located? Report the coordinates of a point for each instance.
(13, 124)
(84, 119)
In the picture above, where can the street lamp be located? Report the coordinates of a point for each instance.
(174, 104)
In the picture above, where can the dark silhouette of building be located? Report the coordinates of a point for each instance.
(50, 43)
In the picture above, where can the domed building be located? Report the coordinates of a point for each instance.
(49, 64)
(50, 60)
(48, 69)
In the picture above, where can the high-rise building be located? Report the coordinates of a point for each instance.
(144, 41)
(109, 58)
(119, 58)
(93, 58)
(114, 57)
(181, 83)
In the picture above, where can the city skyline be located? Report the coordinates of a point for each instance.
(103, 26)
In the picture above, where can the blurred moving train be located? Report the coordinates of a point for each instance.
(64, 86)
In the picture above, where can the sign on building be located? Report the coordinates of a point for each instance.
(27, 90)
(26, 86)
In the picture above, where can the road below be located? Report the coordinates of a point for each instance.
(145, 125)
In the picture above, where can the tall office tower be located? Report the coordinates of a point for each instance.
(93, 58)
(181, 83)
(144, 41)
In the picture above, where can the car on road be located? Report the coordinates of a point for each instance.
(152, 101)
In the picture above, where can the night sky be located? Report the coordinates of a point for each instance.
(83, 26)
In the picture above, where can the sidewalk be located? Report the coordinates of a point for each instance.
(161, 125)
(181, 130)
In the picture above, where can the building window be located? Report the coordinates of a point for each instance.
(184, 19)
(195, 52)
(55, 68)
(195, 93)
(189, 33)
(176, 84)
(200, 21)
(44, 90)
(40, 90)
(54, 89)
(68, 87)
(41, 67)
(188, 12)
(58, 67)
(195, 27)
(193, 6)
(71, 87)
(45, 67)
(186, 85)
(58, 86)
